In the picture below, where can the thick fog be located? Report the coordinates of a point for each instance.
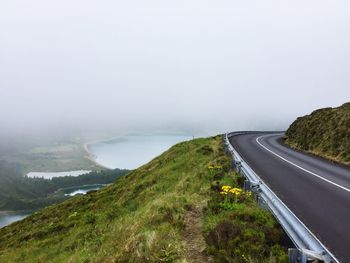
(183, 66)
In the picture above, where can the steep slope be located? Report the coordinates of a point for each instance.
(169, 210)
(325, 132)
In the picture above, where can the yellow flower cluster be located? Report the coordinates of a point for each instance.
(233, 196)
(211, 167)
(226, 189)
(236, 191)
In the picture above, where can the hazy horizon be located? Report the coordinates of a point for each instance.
(196, 67)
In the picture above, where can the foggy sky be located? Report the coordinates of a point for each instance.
(182, 65)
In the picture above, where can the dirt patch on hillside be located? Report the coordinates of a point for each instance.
(193, 237)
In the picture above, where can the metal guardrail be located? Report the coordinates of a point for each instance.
(309, 248)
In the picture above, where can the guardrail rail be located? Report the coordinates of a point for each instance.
(308, 247)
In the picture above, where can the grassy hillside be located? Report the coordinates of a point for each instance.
(173, 209)
(325, 132)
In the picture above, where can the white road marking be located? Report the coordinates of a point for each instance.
(301, 168)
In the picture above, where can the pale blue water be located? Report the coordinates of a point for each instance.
(50, 175)
(132, 151)
(82, 189)
(7, 218)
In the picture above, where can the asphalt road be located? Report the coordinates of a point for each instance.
(316, 190)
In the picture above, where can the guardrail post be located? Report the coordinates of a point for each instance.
(295, 256)
(237, 165)
(305, 256)
(250, 186)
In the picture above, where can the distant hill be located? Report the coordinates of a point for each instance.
(169, 210)
(325, 132)
(22, 193)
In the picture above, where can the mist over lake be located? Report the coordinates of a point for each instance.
(130, 152)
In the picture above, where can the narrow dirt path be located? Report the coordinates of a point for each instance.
(193, 237)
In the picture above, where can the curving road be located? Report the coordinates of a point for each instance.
(316, 190)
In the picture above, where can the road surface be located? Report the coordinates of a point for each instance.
(316, 190)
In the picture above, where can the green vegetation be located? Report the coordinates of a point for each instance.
(53, 152)
(56, 157)
(325, 132)
(237, 229)
(169, 210)
(22, 193)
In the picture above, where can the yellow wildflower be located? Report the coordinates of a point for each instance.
(236, 191)
(214, 167)
(226, 188)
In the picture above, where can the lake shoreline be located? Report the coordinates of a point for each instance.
(50, 175)
(9, 217)
(92, 157)
(6, 212)
(130, 151)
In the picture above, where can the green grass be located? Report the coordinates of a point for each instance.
(240, 231)
(325, 132)
(141, 217)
